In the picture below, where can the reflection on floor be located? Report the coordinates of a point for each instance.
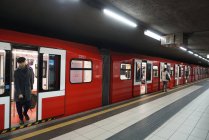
(15, 118)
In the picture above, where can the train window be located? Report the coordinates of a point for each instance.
(182, 72)
(179, 71)
(138, 71)
(149, 72)
(155, 71)
(125, 71)
(80, 71)
(176, 71)
(171, 71)
(51, 72)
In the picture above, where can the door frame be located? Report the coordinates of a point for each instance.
(56, 93)
(30, 48)
(6, 100)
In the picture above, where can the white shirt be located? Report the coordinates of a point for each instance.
(164, 75)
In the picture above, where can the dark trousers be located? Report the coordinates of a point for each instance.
(20, 105)
(165, 84)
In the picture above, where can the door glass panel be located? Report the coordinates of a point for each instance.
(138, 71)
(155, 71)
(2, 72)
(149, 72)
(51, 72)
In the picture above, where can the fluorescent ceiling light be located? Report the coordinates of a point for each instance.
(152, 35)
(27, 53)
(196, 54)
(182, 48)
(119, 18)
(190, 52)
(208, 56)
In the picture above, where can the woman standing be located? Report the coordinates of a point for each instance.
(165, 79)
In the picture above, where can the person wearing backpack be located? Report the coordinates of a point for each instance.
(23, 84)
(165, 79)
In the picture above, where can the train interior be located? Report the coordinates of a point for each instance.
(32, 61)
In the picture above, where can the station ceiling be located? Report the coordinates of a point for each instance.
(83, 21)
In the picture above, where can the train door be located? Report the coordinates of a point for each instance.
(31, 55)
(181, 74)
(155, 76)
(51, 85)
(137, 77)
(5, 85)
(149, 84)
(196, 73)
(172, 80)
(143, 81)
(177, 74)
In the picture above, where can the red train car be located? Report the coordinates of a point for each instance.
(68, 76)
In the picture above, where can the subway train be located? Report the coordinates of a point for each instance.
(71, 78)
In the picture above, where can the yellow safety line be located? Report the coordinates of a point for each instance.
(41, 131)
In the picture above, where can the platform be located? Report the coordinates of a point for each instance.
(180, 114)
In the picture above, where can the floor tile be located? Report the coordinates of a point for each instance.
(70, 135)
(185, 129)
(165, 133)
(94, 133)
(86, 129)
(157, 138)
(178, 136)
(200, 133)
(103, 136)
(194, 138)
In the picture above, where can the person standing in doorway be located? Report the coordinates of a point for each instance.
(165, 79)
(23, 83)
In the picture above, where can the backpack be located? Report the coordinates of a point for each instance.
(167, 77)
(33, 101)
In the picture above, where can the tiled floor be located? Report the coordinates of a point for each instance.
(191, 122)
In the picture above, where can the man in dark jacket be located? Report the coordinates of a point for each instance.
(23, 83)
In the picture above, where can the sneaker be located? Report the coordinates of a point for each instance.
(21, 122)
(27, 117)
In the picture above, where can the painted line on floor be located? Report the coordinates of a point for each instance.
(41, 131)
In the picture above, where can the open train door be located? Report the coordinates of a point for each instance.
(51, 86)
(5, 85)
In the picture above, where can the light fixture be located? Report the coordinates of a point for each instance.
(182, 48)
(152, 35)
(27, 53)
(190, 52)
(196, 54)
(119, 18)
